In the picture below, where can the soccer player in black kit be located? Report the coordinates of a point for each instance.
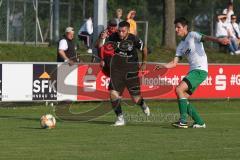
(124, 69)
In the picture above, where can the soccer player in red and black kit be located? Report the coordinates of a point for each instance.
(106, 50)
(124, 69)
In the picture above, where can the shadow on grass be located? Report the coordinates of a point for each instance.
(146, 124)
(99, 122)
(20, 104)
(134, 124)
(35, 128)
(19, 118)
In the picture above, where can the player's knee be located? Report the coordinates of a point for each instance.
(179, 90)
(140, 101)
(137, 99)
(114, 95)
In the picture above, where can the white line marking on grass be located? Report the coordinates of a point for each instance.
(221, 113)
(192, 150)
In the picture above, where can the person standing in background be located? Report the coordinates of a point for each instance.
(85, 34)
(119, 13)
(66, 48)
(105, 53)
(133, 25)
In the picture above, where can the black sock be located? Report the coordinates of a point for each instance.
(116, 105)
(142, 103)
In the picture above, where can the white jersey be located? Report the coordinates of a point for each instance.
(192, 48)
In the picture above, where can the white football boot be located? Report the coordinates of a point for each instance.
(146, 111)
(199, 126)
(120, 121)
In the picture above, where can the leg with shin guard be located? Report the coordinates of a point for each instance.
(143, 106)
(116, 105)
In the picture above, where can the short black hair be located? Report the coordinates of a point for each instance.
(181, 20)
(112, 23)
(230, 3)
(124, 24)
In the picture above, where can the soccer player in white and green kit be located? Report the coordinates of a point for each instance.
(191, 46)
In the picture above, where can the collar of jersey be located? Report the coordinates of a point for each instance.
(126, 38)
(183, 39)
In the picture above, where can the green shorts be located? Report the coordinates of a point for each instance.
(194, 79)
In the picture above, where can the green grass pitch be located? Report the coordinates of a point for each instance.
(141, 139)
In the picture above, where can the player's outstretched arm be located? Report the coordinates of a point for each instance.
(224, 41)
(171, 64)
(101, 39)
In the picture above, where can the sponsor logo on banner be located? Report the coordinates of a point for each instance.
(44, 82)
(89, 86)
(223, 81)
(89, 82)
(220, 81)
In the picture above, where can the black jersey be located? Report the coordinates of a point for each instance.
(128, 47)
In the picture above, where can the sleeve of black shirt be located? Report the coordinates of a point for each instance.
(112, 37)
(138, 43)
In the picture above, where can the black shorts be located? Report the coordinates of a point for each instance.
(125, 76)
(106, 67)
(86, 38)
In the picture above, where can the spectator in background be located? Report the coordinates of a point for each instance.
(235, 27)
(66, 47)
(106, 53)
(85, 34)
(17, 24)
(133, 25)
(221, 27)
(224, 30)
(111, 28)
(229, 12)
(119, 13)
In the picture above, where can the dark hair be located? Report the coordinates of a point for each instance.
(124, 24)
(181, 20)
(112, 23)
(230, 3)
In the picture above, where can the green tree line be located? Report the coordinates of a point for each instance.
(201, 14)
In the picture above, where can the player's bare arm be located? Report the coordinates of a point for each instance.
(224, 41)
(101, 40)
(171, 64)
(62, 54)
(66, 59)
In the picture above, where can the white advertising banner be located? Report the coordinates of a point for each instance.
(17, 82)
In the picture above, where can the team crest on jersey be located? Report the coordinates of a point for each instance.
(187, 52)
(126, 46)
